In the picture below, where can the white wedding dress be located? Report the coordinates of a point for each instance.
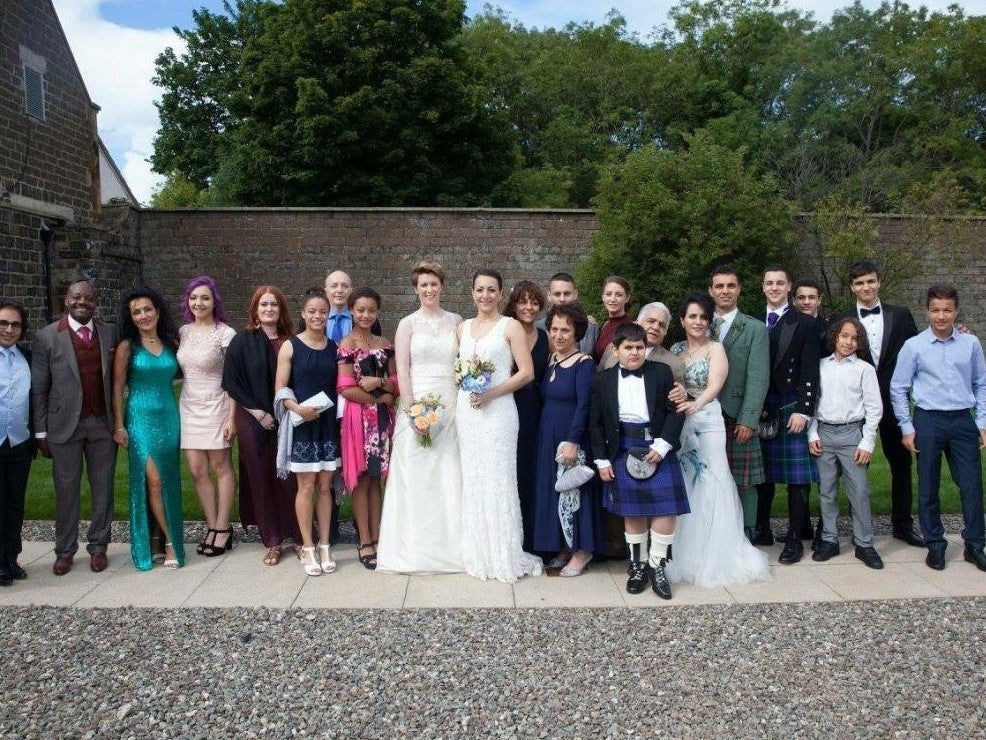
(710, 548)
(492, 534)
(421, 523)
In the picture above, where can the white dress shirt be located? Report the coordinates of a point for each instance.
(727, 321)
(874, 331)
(849, 392)
(632, 399)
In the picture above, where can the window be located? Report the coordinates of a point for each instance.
(34, 93)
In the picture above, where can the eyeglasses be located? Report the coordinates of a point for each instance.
(15, 325)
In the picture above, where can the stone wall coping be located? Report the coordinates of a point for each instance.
(362, 209)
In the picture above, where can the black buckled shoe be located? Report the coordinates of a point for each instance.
(637, 581)
(976, 556)
(870, 557)
(825, 551)
(792, 553)
(935, 559)
(659, 580)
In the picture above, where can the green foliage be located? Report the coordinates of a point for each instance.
(179, 192)
(668, 217)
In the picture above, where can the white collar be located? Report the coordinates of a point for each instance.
(75, 325)
(728, 316)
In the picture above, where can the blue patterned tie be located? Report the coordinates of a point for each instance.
(336, 334)
(771, 320)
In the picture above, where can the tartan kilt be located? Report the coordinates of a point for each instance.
(786, 457)
(745, 459)
(663, 494)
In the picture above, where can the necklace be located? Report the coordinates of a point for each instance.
(155, 340)
(555, 362)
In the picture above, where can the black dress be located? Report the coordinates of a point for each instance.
(528, 401)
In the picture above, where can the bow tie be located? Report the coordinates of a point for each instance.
(864, 312)
(639, 372)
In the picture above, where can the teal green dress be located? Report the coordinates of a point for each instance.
(153, 427)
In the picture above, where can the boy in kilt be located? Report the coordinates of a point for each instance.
(795, 350)
(635, 431)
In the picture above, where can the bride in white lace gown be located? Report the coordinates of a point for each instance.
(492, 534)
(710, 547)
(421, 523)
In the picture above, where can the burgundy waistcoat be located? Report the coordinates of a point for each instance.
(89, 359)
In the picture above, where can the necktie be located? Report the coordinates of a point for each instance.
(716, 326)
(85, 333)
(8, 362)
(771, 320)
(864, 312)
(336, 334)
(639, 372)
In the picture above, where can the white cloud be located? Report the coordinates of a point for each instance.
(117, 65)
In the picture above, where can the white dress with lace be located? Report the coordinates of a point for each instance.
(492, 535)
(710, 547)
(421, 524)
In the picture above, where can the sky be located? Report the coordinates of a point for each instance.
(115, 43)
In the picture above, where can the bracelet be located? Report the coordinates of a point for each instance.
(121, 429)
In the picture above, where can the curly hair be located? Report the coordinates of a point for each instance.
(167, 330)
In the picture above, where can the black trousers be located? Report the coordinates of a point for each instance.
(15, 467)
(901, 485)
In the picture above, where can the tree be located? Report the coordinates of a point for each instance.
(337, 102)
(179, 192)
(668, 217)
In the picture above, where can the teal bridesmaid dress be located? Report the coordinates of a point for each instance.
(153, 427)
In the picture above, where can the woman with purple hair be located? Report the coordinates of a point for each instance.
(207, 427)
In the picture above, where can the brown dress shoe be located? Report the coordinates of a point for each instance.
(63, 564)
(98, 562)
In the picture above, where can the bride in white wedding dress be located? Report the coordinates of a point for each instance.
(492, 533)
(421, 524)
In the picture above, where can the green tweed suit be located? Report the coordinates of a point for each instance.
(745, 388)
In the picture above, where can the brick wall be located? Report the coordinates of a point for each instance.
(55, 160)
(295, 248)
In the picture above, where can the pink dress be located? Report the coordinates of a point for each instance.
(203, 405)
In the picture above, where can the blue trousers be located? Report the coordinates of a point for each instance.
(953, 433)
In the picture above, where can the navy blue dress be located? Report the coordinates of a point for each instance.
(565, 394)
(528, 400)
(314, 444)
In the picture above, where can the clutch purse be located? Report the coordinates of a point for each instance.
(769, 424)
(637, 467)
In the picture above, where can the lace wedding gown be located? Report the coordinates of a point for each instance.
(421, 524)
(710, 547)
(492, 533)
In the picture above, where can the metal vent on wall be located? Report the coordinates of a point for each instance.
(34, 93)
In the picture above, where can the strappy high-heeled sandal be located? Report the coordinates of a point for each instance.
(369, 561)
(172, 562)
(309, 563)
(273, 556)
(327, 564)
(213, 550)
(207, 543)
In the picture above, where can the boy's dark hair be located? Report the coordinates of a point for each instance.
(629, 332)
(862, 341)
(777, 267)
(563, 277)
(808, 283)
(724, 269)
(942, 292)
(863, 267)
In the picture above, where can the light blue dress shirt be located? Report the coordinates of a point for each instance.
(345, 324)
(15, 396)
(942, 374)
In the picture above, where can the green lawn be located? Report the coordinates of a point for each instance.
(41, 493)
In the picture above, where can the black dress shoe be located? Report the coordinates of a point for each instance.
(763, 537)
(935, 559)
(793, 552)
(825, 551)
(637, 581)
(909, 536)
(975, 556)
(15, 571)
(870, 557)
(659, 581)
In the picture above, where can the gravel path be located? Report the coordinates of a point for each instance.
(868, 669)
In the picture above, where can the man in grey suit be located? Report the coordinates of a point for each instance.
(72, 390)
(742, 396)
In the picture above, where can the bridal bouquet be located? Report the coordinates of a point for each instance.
(473, 375)
(423, 415)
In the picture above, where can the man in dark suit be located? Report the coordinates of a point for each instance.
(808, 300)
(71, 387)
(887, 328)
(791, 398)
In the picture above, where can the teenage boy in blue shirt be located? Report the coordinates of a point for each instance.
(945, 370)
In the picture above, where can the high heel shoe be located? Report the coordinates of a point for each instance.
(207, 543)
(327, 564)
(213, 550)
(573, 571)
(369, 561)
(172, 562)
(309, 563)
